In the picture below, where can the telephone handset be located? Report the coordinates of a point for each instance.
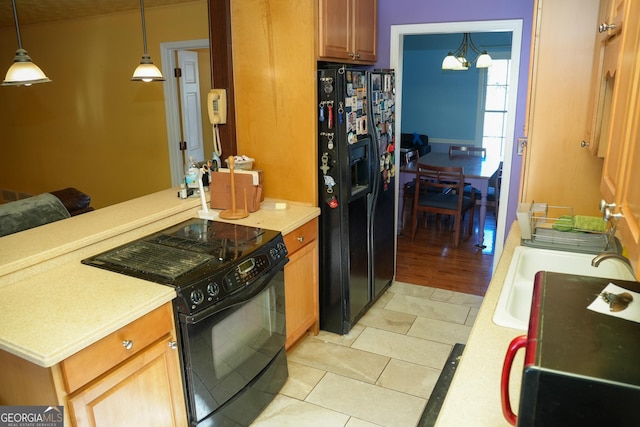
(217, 106)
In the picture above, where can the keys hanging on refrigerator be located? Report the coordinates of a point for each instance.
(325, 163)
(321, 112)
(340, 113)
(330, 183)
(329, 136)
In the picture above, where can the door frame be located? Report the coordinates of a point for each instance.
(397, 54)
(172, 102)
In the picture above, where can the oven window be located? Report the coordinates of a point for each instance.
(227, 350)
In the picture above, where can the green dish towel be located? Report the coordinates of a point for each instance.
(564, 223)
(590, 223)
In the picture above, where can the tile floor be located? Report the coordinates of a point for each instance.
(383, 371)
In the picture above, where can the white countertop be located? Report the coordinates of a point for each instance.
(473, 398)
(52, 306)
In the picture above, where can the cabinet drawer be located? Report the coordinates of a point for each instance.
(301, 236)
(87, 364)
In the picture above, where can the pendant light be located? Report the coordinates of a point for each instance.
(458, 60)
(23, 71)
(146, 71)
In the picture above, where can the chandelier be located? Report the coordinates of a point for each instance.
(458, 60)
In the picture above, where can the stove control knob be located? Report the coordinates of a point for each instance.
(213, 289)
(278, 251)
(197, 296)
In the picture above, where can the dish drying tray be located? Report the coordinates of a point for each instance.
(553, 227)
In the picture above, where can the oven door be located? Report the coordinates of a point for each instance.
(233, 354)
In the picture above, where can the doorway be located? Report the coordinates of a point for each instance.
(398, 32)
(173, 107)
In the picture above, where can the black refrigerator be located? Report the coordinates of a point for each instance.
(356, 192)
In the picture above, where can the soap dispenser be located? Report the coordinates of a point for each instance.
(191, 173)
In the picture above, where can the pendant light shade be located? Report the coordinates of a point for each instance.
(146, 71)
(23, 71)
(449, 62)
(484, 60)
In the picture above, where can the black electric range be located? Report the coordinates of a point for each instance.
(206, 261)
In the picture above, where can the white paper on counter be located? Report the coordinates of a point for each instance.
(632, 312)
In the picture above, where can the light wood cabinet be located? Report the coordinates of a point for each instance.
(556, 169)
(605, 65)
(130, 377)
(348, 31)
(619, 86)
(621, 172)
(301, 282)
(274, 47)
(140, 392)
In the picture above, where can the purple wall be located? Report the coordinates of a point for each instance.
(396, 12)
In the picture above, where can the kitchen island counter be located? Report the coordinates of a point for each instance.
(473, 398)
(52, 306)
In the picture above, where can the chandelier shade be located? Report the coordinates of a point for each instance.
(23, 72)
(458, 59)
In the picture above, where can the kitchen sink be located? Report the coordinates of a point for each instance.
(514, 303)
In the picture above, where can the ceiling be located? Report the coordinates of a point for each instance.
(34, 11)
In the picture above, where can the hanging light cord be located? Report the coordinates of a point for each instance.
(144, 29)
(15, 18)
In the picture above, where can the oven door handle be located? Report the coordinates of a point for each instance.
(239, 297)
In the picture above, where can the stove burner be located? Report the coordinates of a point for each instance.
(165, 261)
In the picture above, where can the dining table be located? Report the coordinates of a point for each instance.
(477, 172)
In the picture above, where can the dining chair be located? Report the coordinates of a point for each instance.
(493, 193)
(409, 187)
(467, 150)
(439, 190)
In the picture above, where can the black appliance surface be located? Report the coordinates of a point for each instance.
(206, 261)
(581, 367)
(230, 312)
(356, 146)
(234, 357)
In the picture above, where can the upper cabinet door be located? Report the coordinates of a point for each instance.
(365, 30)
(622, 171)
(557, 110)
(334, 29)
(605, 65)
(347, 30)
(616, 88)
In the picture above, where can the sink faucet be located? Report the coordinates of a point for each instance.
(605, 255)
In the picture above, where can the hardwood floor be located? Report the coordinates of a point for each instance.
(431, 260)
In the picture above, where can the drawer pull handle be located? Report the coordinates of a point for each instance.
(128, 344)
(301, 239)
(173, 345)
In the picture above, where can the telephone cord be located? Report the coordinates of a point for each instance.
(217, 148)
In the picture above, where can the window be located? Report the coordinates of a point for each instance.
(494, 90)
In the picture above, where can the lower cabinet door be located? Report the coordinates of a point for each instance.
(146, 390)
(301, 293)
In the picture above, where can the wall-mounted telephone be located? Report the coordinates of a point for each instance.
(217, 106)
